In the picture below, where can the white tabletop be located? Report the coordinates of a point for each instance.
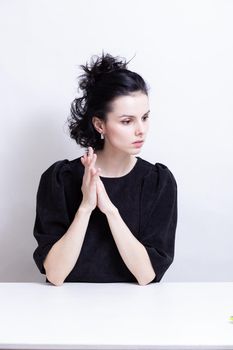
(116, 316)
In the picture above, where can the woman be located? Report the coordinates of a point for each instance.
(109, 215)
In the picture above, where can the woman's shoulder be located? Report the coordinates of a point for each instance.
(64, 164)
(159, 186)
(61, 169)
(56, 168)
(158, 174)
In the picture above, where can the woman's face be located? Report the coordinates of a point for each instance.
(127, 122)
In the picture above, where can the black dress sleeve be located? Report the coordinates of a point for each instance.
(51, 220)
(159, 218)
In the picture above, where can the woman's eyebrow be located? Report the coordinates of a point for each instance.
(126, 115)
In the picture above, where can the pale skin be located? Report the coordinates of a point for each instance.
(118, 154)
(131, 250)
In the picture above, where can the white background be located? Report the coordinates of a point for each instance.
(184, 51)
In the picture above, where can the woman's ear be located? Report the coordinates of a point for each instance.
(98, 124)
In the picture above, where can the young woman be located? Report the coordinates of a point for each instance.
(109, 215)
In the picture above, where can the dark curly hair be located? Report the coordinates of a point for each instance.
(106, 78)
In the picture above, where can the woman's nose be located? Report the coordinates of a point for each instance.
(139, 129)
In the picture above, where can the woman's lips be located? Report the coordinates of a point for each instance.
(138, 144)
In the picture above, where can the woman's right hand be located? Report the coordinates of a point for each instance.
(88, 188)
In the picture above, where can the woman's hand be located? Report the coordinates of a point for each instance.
(95, 193)
(103, 201)
(89, 180)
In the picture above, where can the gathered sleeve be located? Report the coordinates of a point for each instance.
(52, 219)
(159, 218)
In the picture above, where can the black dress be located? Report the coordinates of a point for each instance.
(146, 198)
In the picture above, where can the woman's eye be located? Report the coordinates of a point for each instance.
(128, 121)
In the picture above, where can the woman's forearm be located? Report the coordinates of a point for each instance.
(65, 252)
(131, 250)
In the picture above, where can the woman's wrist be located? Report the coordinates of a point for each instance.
(112, 210)
(83, 208)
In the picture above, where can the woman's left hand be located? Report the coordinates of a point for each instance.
(103, 201)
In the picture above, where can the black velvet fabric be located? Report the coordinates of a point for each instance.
(146, 198)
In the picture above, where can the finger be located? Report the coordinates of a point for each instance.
(93, 160)
(101, 183)
(98, 180)
(92, 164)
(90, 155)
(89, 162)
(85, 161)
(86, 158)
(94, 176)
(94, 171)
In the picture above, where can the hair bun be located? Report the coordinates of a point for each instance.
(98, 66)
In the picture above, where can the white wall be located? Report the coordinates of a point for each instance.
(184, 50)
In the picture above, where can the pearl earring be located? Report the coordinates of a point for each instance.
(102, 136)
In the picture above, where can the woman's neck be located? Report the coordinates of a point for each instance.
(114, 165)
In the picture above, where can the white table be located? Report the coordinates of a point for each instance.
(116, 316)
